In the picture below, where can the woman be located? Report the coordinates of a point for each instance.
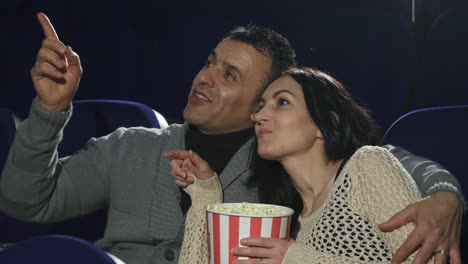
(316, 156)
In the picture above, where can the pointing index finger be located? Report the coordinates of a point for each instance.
(47, 27)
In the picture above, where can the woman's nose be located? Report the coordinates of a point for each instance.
(259, 117)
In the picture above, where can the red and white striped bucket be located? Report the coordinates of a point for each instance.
(225, 230)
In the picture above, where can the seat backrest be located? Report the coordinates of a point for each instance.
(96, 118)
(444, 66)
(439, 133)
(54, 249)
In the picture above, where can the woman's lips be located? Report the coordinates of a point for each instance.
(263, 131)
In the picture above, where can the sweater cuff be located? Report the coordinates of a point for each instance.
(205, 192)
(437, 182)
(47, 125)
(449, 187)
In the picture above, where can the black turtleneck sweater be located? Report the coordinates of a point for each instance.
(217, 150)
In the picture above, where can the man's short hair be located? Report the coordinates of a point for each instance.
(269, 43)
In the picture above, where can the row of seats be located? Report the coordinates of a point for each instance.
(372, 53)
(438, 133)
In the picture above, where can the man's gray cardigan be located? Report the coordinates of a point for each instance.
(125, 172)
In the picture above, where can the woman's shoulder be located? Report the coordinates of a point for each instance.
(371, 155)
(372, 161)
(371, 151)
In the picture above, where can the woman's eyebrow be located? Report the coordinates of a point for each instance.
(283, 91)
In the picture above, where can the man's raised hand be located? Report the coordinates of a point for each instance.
(57, 71)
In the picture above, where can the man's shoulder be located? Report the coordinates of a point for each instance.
(145, 132)
(142, 136)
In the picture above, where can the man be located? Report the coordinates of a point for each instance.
(126, 173)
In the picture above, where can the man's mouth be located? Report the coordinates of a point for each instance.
(201, 96)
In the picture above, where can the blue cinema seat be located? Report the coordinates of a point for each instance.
(96, 118)
(441, 134)
(54, 249)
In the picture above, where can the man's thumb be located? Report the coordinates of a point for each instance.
(73, 58)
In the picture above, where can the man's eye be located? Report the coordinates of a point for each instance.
(208, 63)
(229, 75)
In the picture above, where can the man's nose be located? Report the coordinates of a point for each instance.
(207, 76)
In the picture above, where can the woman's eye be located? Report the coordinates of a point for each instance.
(282, 101)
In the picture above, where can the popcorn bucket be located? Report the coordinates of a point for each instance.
(228, 223)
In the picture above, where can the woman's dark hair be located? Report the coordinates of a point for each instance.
(344, 124)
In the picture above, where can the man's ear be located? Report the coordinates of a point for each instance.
(336, 118)
(319, 134)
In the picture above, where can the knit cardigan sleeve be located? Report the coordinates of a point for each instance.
(195, 244)
(380, 187)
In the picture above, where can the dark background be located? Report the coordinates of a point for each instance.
(149, 51)
(393, 55)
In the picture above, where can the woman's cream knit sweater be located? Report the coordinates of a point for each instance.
(371, 188)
